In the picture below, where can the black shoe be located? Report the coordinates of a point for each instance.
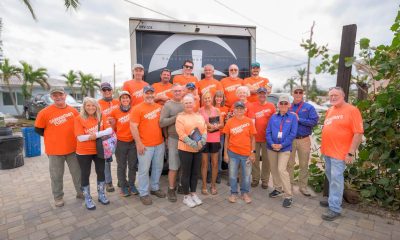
(324, 203)
(287, 202)
(330, 215)
(275, 194)
(158, 193)
(171, 195)
(218, 178)
(180, 189)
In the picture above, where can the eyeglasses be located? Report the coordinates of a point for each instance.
(233, 70)
(336, 88)
(189, 67)
(283, 103)
(298, 92)
(106, 90)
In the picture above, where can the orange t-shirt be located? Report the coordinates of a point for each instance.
(122, 125)
(229, 86)
(223, 111)
(210, 85)
(58, 124)
(163, 89)
(135, 88)
(108, 107)
(256, 82)
(84, 127)
(185, 124)
(341, 123)
(182, 80)
(240, 132)
(147, 116)
(261, 115)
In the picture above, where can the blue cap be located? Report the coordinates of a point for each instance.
(262, 89)
(190, 86)
(105, 85)
(148, 88)
(239, 104)
(255, 64)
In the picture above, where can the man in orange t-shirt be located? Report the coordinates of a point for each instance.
(261, 111)
(255, 82)
(163, 88)
(56, 124)
(107, 105)
(208, 84)
(150, 147)
(341, 135)
(239, 150)
(230, 84)
(186, 76)
(135, 86)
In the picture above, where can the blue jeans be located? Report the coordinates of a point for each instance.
(334, 169)
(234, 161)
(153, 156)
(107, 172)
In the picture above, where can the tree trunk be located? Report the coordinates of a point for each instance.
(13, 99)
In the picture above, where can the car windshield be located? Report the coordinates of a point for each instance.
(69, 100)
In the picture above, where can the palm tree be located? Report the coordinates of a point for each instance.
(6, 72)
(71, 79)
(301, 74)
(88, 83)
(291, 82)
(31, 76)
(68, 4)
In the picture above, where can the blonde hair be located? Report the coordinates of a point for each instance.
(243, 88)
(206, 94)
(84, 114)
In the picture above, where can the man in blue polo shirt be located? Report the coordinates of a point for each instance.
(307, 119)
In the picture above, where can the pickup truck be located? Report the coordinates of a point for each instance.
(36, 103)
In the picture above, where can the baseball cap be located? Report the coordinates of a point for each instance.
(148, 88)
(57, 89)
(283, 98)
(190, 86)
(298, 87)
(239, 104)
(262, 89)
(255, 64)
(124, 93)
(105, 85)
(137, 65)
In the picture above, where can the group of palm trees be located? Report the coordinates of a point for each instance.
(28, 76)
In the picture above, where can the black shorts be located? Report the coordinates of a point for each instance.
(212, 147)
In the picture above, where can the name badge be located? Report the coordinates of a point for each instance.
(279, 134)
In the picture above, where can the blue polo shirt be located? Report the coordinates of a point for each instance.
(288, 122)
(308, 118)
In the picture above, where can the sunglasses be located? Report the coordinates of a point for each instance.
(336, 88)
(233, 70)
(283, 103)
(189, 67)
(106, 90)
(298, 92)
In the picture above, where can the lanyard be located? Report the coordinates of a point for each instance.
(298, 109)
(281, 125)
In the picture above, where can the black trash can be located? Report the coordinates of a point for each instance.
(11, 152)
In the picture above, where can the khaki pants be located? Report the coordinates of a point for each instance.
(56, 168)
(303, 149)
(261, 147)
(278, 162)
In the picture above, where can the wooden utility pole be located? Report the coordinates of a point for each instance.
(346, 50)
(308, 63)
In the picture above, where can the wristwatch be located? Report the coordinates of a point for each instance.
(350, 154)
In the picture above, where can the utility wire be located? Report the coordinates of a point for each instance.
(277, 54)
(152, 10)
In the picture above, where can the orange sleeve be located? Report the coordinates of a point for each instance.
(226, 128)
(125, 87)
(180, 129)
(106, 124)
(78, 128)
(356, 121)
(40, 121)
(135, 115)
(253, 130)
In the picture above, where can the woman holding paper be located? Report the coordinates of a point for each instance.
(214, 122)
(192, 132)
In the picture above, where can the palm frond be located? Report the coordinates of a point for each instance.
(71, 3)
(29, 6)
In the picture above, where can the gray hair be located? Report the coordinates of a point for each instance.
(243, 88)
(84, 114)
(188, 97)
(209, 65)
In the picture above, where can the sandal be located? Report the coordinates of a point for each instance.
(213, 191)
(204, 191)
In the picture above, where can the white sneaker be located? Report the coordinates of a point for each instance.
(196, 200)
(188, 201)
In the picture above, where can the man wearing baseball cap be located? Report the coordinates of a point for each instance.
(56, 124)
(307, 118)
(255, 82)
(107, 105)
(136, 85)
(191, 89)
(146, 131)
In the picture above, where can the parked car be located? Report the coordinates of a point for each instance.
(40, 101)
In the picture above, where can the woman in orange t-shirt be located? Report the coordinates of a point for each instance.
(219, 102)
(87, 130)
(192, 132)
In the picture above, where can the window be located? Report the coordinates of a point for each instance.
(7, 99)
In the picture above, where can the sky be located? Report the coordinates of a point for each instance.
(96, 36)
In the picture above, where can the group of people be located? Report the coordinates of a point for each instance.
(198, 124)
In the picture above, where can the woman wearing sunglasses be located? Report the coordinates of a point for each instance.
(281, 131)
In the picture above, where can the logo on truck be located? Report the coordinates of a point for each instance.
(165, 50)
